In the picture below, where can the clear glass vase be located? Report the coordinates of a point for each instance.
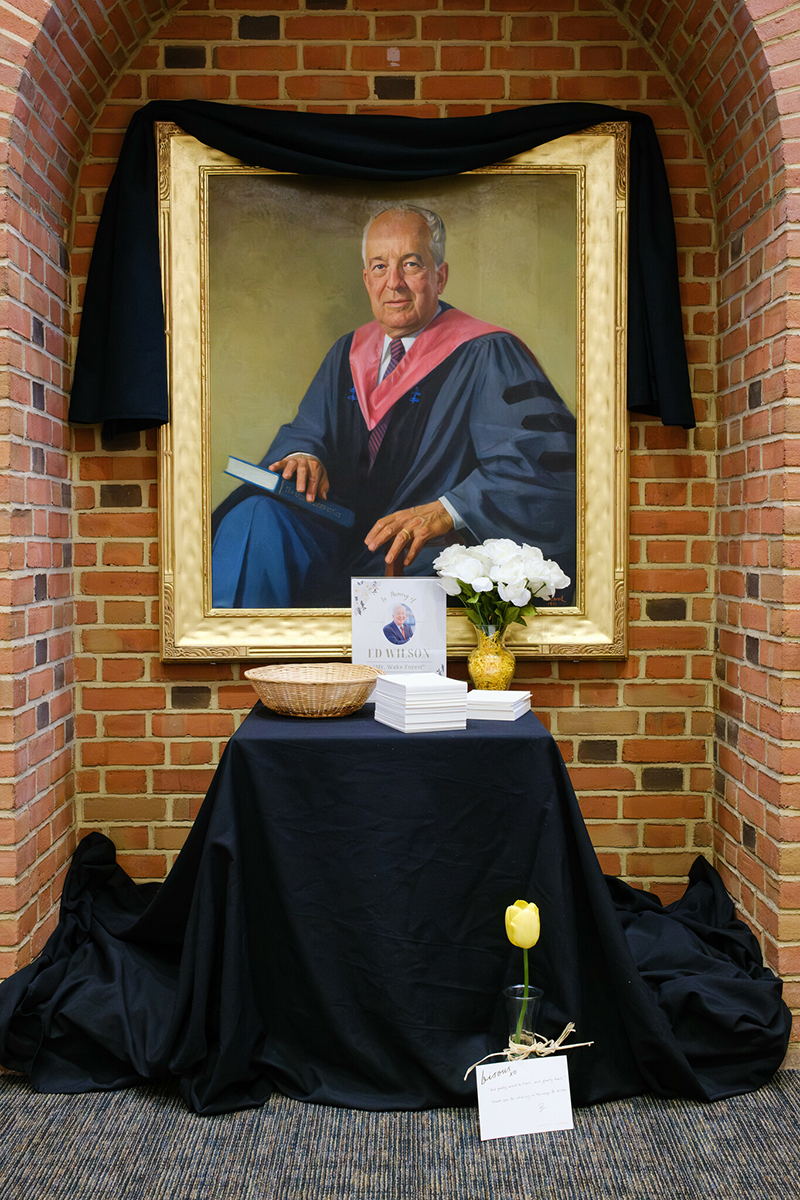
(491, 665)
(522, 1005)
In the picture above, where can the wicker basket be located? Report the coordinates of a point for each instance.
(314, 689)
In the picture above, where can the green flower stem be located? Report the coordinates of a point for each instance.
(486, 608)
(524, 1009)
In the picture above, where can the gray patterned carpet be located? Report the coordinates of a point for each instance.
(142, 1144)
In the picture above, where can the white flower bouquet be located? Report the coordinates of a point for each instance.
(499, 581)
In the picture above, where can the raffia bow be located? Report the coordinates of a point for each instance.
(538, 1045)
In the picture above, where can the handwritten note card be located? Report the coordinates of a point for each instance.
(527, 1096)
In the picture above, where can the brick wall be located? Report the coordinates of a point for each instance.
(56, 64)
(636, 735)
(742, 84)
(720, 83)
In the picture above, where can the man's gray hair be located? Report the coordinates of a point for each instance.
(432, 219)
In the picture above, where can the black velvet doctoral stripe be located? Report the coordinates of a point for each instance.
(120, 370)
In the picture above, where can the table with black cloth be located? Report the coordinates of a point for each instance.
(333, 928)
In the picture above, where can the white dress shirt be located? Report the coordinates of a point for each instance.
(386, 354)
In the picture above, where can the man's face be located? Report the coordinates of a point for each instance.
(403, 281)
(400, 616)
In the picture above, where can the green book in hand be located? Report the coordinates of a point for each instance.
(284, 489)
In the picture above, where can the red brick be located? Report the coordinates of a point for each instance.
(257, 87)
(188, 87)
(665, 666)
(665, 724)
(616, 834)
(327, 87)
(96, 754)
(327, 29)
(132, 808)
(182, 779)
(125, 783)
(460, 87)
(126, 698)
(659, 864)
(598, 87)
(390, 29)
(462, 29)
(531, 29)
(113, 583)
(171, 837)
(325, 58)
(143, 866)
(602, 58)
(255, 58)
(124, 725)
(412, 58)
(400, 110)
(602, 778)
(590, 29)
(678, 582)
(130, 837)
(523, 87)
(196, 29)
(390, 5)
(531, 58)
(664, 750)
(463, 58)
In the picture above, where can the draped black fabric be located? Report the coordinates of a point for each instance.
(120, 370)
(334, 928)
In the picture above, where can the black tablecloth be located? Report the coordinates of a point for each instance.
(334, 928)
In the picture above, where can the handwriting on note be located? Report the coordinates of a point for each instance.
(527, 1096)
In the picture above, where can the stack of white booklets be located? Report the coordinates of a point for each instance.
(497, 706)
(420, 702)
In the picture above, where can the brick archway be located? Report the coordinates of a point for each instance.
(734, 71)
(737, 66)
(58, 63)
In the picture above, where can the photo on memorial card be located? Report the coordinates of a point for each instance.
(399, 624)
(446, 347)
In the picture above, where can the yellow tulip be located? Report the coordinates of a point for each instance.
(522, 924)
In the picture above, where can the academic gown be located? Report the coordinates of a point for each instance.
(485, 429)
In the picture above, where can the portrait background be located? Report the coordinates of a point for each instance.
(284, 283)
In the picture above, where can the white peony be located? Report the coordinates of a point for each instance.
(508, 571)
(468, 569)
(501, 548)
(449, 559)
(549, 578)
(513, 574)
(532, 560)
(514, 593)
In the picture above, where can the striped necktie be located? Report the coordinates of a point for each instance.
(397, 350)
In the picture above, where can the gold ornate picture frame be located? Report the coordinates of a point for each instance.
(261, 273)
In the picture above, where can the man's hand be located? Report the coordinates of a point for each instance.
(312, 478)
(411, 527)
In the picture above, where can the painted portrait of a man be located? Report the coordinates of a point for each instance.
(431, 424)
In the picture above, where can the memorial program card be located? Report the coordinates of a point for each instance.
(400, 624)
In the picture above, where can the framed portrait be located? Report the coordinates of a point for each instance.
(289, 303)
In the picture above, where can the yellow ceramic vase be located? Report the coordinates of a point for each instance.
(491, 665)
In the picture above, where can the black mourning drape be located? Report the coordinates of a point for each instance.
(120, 370)
(333, 928)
